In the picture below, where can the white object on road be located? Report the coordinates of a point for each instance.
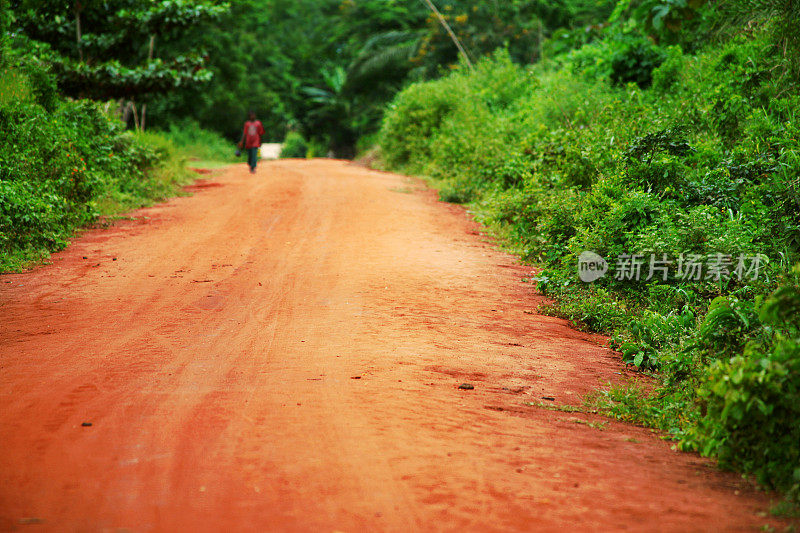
(271, 150)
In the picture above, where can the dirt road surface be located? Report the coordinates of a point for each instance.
(282, 352)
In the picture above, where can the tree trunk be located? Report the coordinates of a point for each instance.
(125, 111)
(149, 58)
(78, 36)
(541, 40)
(136, 123)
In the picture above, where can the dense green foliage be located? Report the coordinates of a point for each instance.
(106, 50)
(752, 399)
(633, 149)
(327, 68)
(300, 65)
(323, 68)
(190, 139)
(294, 146)
(64, 162)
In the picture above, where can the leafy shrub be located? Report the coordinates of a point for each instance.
(456, 192)
(635, 62)
(727, 324)
(414, 117)
(667, 75)
(62, 167)
(294, 146)
(752, 400)
(30, 59)
(780, 18)
(188, 137)
(650, 333)
(14, 87)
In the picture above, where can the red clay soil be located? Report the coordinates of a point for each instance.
(282, 352)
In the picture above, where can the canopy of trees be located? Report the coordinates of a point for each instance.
(107, 49)
(328, 68)
(324, 68)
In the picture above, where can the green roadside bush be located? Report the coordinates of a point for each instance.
(752, 399)
(189, 138)
(63, 163)
(624, 147)
(294, 146)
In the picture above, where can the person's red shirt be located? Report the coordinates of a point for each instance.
(253, 130)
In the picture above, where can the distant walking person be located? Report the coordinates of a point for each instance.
(251, 139)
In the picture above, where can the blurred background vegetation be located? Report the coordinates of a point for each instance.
(322, 68)
(618, 126)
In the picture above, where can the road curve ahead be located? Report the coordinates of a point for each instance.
(283, 352)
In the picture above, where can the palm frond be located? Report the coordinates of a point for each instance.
(383, 55)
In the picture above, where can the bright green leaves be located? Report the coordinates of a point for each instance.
(166, 16)
(752, 400)
(122, 48)
(112, 79)
(54, 168)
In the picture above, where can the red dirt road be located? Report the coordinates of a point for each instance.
(282, 352)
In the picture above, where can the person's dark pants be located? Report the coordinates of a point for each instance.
(252, 158)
